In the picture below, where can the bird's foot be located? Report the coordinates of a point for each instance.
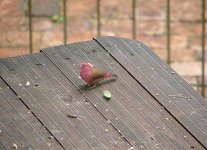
(92, 85)
(87, 86)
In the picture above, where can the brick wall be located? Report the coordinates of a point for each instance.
(115, 20)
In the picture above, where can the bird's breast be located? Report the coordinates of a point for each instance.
(86, 75)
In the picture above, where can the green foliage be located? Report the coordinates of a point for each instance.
(57, 18)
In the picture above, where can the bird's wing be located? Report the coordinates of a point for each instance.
(97, 74)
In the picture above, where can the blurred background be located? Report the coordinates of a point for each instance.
(174, 30)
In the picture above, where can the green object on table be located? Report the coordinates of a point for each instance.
(107, 94)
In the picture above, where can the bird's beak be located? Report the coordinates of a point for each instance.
(90, 64)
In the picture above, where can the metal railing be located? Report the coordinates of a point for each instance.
(203, 46)
(168, 34)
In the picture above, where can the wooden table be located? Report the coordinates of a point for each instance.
(42, 104)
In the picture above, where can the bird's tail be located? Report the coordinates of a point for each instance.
(108, 75)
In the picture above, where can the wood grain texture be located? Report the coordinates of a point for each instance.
(19, 126)
(179, 99)
(133, 111)
(53, 98)
(151, 106)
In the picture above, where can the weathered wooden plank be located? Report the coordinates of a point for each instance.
(155, 64)
(52, 97)
(19, 126)
(189, 108)
(165, 71)
(71, 65)
(132, 110)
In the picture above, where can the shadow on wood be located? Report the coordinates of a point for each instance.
(89, 87)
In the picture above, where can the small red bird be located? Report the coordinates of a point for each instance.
(91, 75)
